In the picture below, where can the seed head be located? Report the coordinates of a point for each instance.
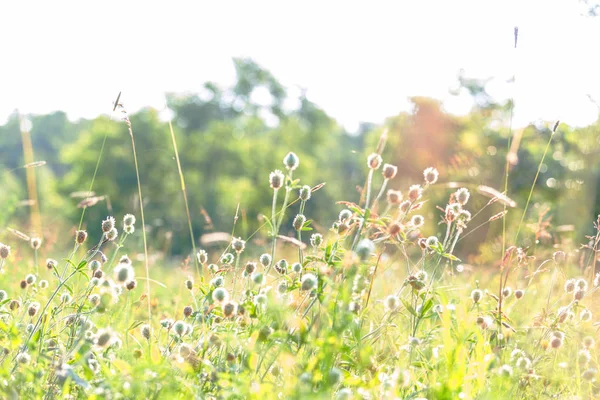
(65, 298)
(129, 229)
(36, 243)
(316, 239)
(506, 292)
(556, 342)
(394, 196)
(238, 245)
(519, 293)
(187, 311)
(374, 161)
(299, 222)
(33, 309)
(146, 331)
(128, 220)
(431, 175)
(476, 295)
(291, 161)
(276, 179)
(308, 282)
(4, 251)
(570, 285)
(392, 302)
(588, 342)
(189, 284)
(389, 171)
(80, 237)
(297, 268)
(585, 315)
(98, 274)
(94, 299)
(180, 328)
(344, 215)
(364, 249)
(523, 363)
(108, 224)
(404, 207)
(220, 295)
(415, 192)
(23, 284)
(23, 358)
(3, 295)
(417, 221)
(282, 287)
(227, 258)
(431, 241)
(229, 309)
(462, 196)
(213, 268)
(30, 279)
(258, 278)
(559, 257)
(125, 260)
(578, 294)
(581, 284)
(131, 284)
(94, 265)
(265, 260)
(281, 266)
(589, 375)
(394, 228)
(51, 264)
(124, 273)
(218, 281)
(304, 193)
(111, 235)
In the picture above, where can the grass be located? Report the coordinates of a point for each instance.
(368, 309)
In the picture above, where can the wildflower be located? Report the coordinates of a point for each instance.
(33, 308)
(260, 298)
(282, 287)
(124, 273)
(485, 322)
(570, 285)
(344, 215)
(98, 274)
(308, 282)
(180, 328)
(108, 224)
(227, 258)
(476, 295)
(187, 311)
(462, 196)
(585, 315)
(431, 175)
(562, 314)
(213, 268)
(281, 266)
(220, 295)
(189, 283)
(94, 265)
(304, 193)
(415, 192)
(506, 292)
(374, 161)
(51, 264)
(431, 241)
(588, 342)
(579, 294)
(4, 251)
(80, 237)
(335, 376)
(218, 281)
(291, 161)
(389, 171)
(30, 279)
(131, 284)
(3, 295)
(392, 302)
(129, 229)
(404, 206)
(556, 342)
(316, 239)
(23, 284)
(258, 278)
(229, 309)
(589, 375)
(14, 305)
(463, 216)
(417, 221)
(299, 222)
(128, 220)
(23, 358)
(238, 245)
(394, 228)
(94, 299)
(581, 284)
(65, 298)
(297, 268)
(265, 260)
(394, 196)
(146, 331)
(111, 235)
(365, 248)
(36, 243)
(276, 179)
(523, 363)
(559, 257)
(519, 293)
(166, 323)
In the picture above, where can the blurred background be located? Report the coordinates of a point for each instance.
(246, 82)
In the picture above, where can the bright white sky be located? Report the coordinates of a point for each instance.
(358, 60)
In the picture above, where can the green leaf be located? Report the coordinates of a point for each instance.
(409, 308)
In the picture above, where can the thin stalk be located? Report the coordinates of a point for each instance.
(137, 173)
(367, 209)
(185, 199)
(274, 223)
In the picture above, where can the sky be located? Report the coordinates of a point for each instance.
(360, 61)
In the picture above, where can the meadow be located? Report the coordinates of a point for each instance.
(363, 306)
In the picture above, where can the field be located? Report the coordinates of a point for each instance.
(369, 308)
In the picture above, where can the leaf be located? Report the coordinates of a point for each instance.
(409, 308)
(451, 256)
(81, 265)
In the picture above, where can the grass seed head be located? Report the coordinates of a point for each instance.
(276, 179)
(374, 161)
(291, 161)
